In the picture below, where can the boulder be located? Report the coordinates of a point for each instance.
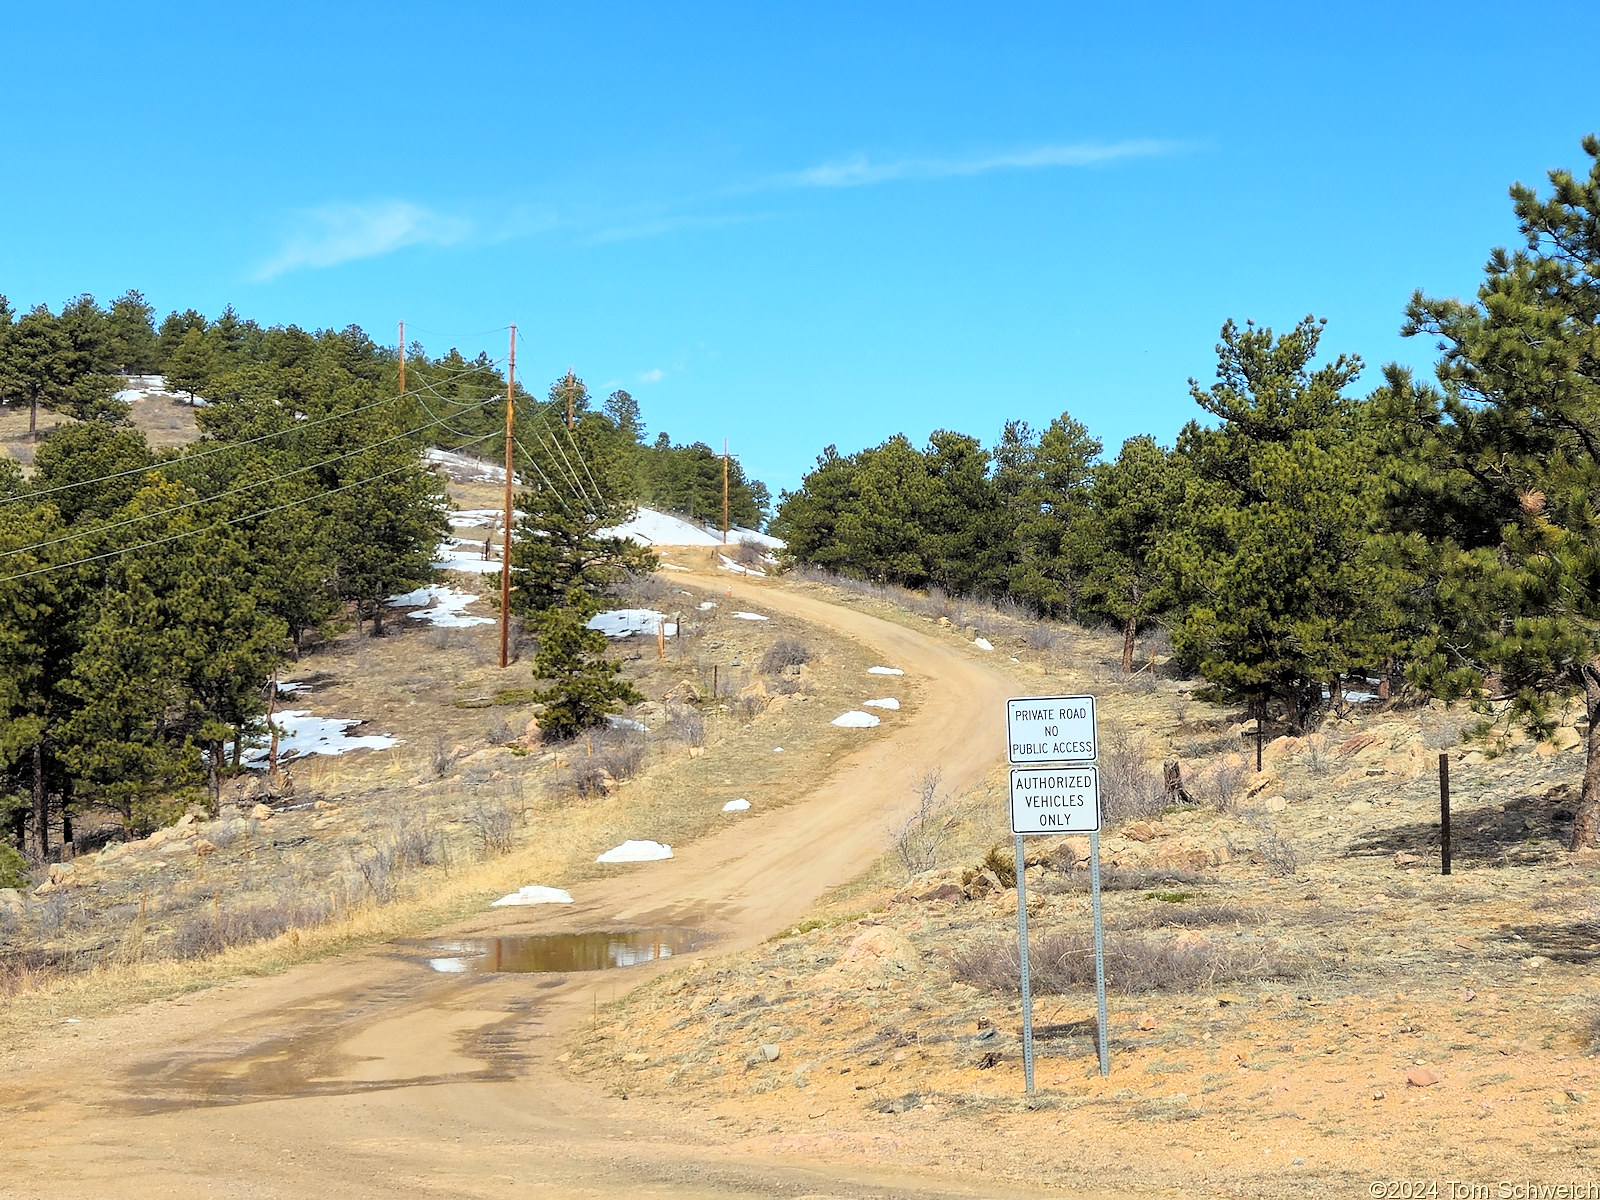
(876, 951)
(683, 692)
(202, 847)
(1139, 831)
(261, 813)
(1275, 804)
(11, 901)
(61, 873)
(1421, 1077)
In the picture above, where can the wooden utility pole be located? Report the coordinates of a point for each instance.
(724, 491)
(505, 539)
(402, 358)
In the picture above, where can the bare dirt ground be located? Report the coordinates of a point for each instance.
(371, 1074)
(166, 419)
(1299, 1003)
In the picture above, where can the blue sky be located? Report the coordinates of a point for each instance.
(790, 225)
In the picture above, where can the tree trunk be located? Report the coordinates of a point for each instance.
(33, 418)
(68, 850)
(1128, 631)
(214, 776)
(41, 810)
(1586, 825)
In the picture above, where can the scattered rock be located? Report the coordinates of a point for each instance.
(1421, 1077)
(61, 873)
(261, 812)
(1402, 859)
(186, 820)
(203, 847)
(770, 1051)
(11, 900)
(1360, 806)
(1147, 1022)
(1275, 804)
(635, 1058)
(1377, 1093)
(696, 751)
(325, 822)
(684, 692)
(1139, 831)
(323, 806)
(1261, 783)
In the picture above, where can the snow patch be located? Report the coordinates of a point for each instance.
(448, 613)
(886, 702)
(625, 622)
(285, 689)
(674, 567)
(458, 554)
(617, 722)
(743, 616)
(652, 528)
(729, 565)
(534, 894)
(300, 734)
(983, 643)
(707, 604)
(636, 852)
(884, 671)
(855, 719)
(465, 469)
(736, 806)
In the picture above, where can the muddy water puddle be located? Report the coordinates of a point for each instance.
(558, 953)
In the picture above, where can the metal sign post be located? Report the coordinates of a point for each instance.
(1062, 797)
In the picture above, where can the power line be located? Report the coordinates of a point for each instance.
(239, 520)
(260, 483)
(219, 448)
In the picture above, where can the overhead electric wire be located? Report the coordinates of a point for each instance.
(219, 447)
(248, 487)
(239, 520)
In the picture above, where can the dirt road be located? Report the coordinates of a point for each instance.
(374, 1075)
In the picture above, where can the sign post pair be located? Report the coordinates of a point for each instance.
(1052, 744)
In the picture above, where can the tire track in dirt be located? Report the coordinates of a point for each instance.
(370, 1075)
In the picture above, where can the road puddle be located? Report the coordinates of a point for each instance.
(547, 953)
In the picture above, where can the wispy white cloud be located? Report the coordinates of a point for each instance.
(653, 375)
(859, 170)
(330, 234)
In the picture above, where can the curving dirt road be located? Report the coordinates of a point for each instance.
(372, 1075)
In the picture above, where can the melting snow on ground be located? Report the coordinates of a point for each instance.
(636, 852)
(534, 894)
(466, 556)
(476, 518)
(886, 702)
(982, 643)
(300, 734)
(624, 622)
(855, 719)
(736, 805)
(884, 671)
(285, 688)
(448, 613)
(465, 469)
(750, 616)
(654, 528)
(729, 565)
(705, 604)
(617, 722)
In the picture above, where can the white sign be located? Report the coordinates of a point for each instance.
(1055, 800)
(1041, 729)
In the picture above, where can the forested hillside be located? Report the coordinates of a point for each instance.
(147, 597)
(1441, 537)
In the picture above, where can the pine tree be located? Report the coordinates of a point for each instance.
(1283, 588)
(584, 685)
(1507, 465)
(1043, 480)
(131, 331)
(1115, 543)
(191, 365)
